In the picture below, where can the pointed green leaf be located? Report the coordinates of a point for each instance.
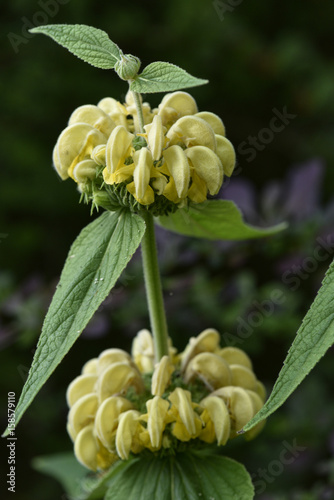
(186, 476)
(95, 261)
(313, 338)
(164, 77)
(90, 44)
(214, 220)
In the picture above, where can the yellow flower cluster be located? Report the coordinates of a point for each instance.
(182, 154)
(205, 393)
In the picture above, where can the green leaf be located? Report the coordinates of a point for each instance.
(186, 476)
(313, 338)
(65, 468)
(164, 77)
(214, 220)
(90, 44)
(96, 260)
(78, 483)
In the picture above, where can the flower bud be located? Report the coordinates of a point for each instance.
(128, 67)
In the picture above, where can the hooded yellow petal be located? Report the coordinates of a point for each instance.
(95, 116)
(117, 379)
(225, 152)
(235, 356)
(143, 351)
(157, 409)
(90, 453)
(115, 110)
(181, 400)
(175, 105)
(213, 120)
(161, 376)
(155, 137)
(192, 131)
(82, 412)
(106, 419)
(111, 356)
(243, 377)
(90, 367)
(127, 428)
(206, 341)
(208, 166)
(198, 190)
(80, 386)
(178, 167)
(117, 148)
(218, 414)
(170, 191)
(141, 176)
(240, 405)
(211, 369)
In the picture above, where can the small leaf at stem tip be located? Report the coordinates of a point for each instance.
(164, 77)
(92, 45)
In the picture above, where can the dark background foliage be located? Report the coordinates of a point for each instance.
(260, 58)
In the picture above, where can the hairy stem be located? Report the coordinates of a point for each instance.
(154, 290)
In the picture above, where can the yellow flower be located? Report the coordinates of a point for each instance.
(106, 420)
(182, 155)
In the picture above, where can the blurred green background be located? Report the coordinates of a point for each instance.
(259, 57)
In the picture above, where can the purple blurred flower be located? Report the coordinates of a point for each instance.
(295, 199)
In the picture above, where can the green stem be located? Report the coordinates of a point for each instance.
(154, 290)
(136, 97)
